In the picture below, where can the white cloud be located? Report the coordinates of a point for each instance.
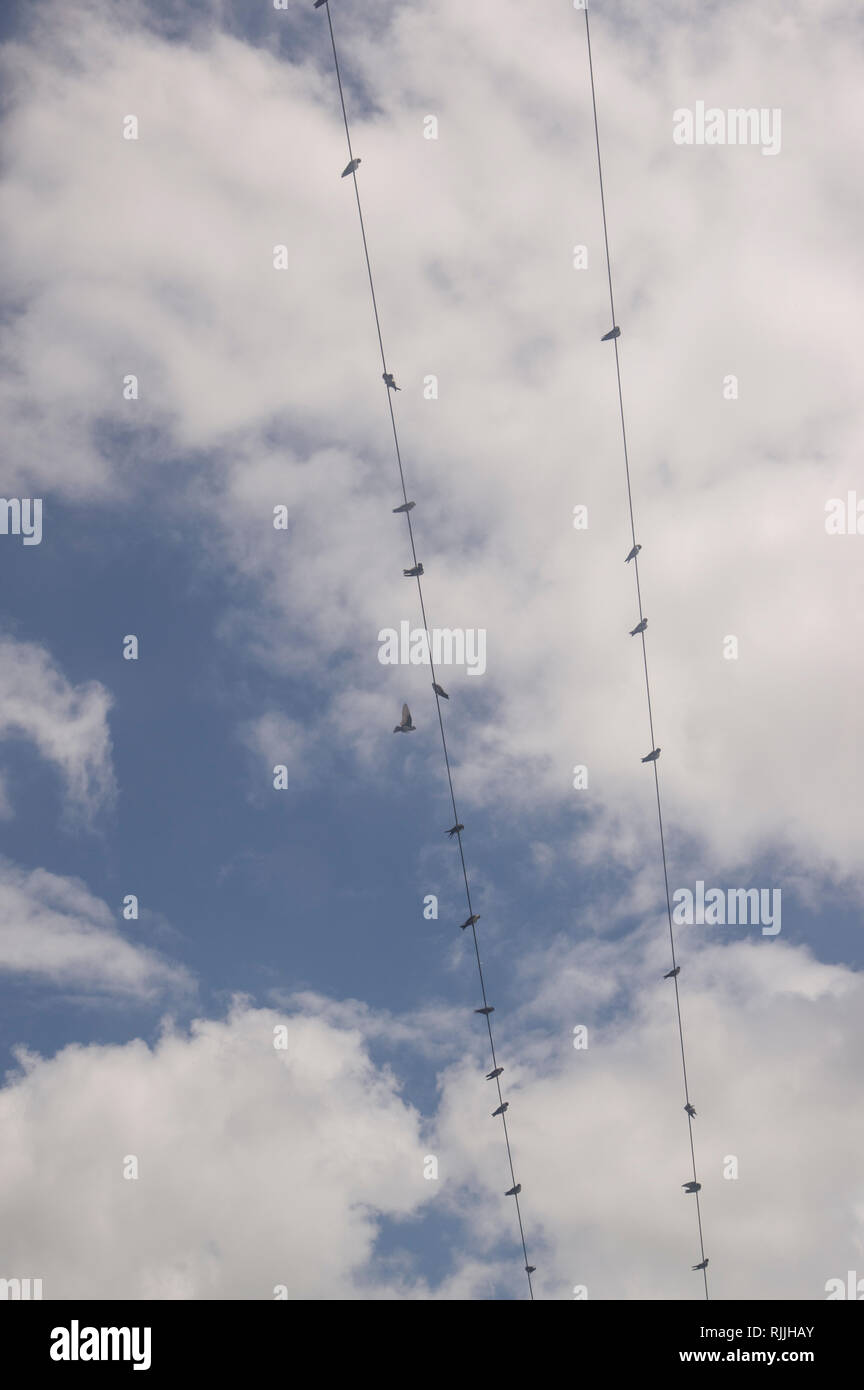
(53, 930)
(67, 723)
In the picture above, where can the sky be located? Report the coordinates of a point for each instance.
(158, 1144)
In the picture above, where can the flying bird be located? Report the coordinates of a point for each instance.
(692, 1186)
(652, 756)
(613, 333)
(501, 1109)
(439, 690)
(513, 1191)
(350, 168)
(633, 553)
(492, 1074)
(413, 573)
(388, 377)
(406, 507)
(407, 726)
(640, 627)
(690, 1111)
(670, 974)
(470, 921)
(704, 1264)
(454, 830)
(489, 1009)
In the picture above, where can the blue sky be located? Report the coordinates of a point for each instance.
(260, 647)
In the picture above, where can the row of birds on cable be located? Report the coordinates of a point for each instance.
(407, 726)
(693, 1186)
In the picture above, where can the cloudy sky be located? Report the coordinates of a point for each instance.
(151, 1038)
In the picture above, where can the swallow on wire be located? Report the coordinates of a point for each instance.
(530, 1269)
(652, 756)
(470, 921)
(454, 830)
(439, 690)
(613, 333)
(414, 573)
(501, 1108)
(350, 168)
(319, 3)
(490, 1076)
(407, 726)
(513, 1191)
(406, 507)
(489, 1009)
(670, 974)
(388, 377)
(640, 627)
(633, 553)
(690, 1111)
(692, 1186)
(703, 1265)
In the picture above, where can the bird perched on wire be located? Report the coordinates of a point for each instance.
(703, 1265)
(454, 830)
(633, 553)
(513, 1191)
(690, 1111)
(670, 974)
(613, 333)
(501, 1108)
(640, 627)
(388, 377)
(652, 756)
(407, 726)
(440, 691)
(413, 573)
(692, 1186)
(489, 1009)
(470, 921)
(490, 1076)
(350, 168)
(406, 507)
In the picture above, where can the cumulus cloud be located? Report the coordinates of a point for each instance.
(268, 380)
(53, 930)
(67, 723)
(261, 1166)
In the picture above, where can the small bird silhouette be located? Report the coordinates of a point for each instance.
(407, 726)
(490, 1076)
(406, 507)
(692, 1186)
(501, 1109)
(530, 1269)
(690, 1111)
(670, 974)
(319, 3)
(513, 1191)
(703, 1265)
(652, 756)
(633, 553)
(470, 921)
(489, 1009)
(440, 691)
(640, 627)
(413, 573)
(388, 377)
(613, 333)
(350, 168)
(454, 830)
